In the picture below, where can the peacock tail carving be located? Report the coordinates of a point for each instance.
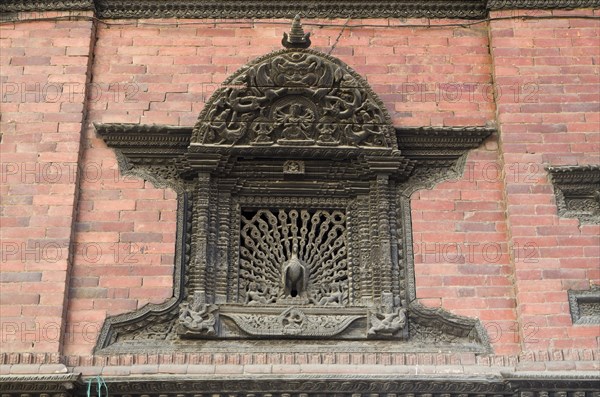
(267, 243)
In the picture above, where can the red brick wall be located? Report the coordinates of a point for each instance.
(43, 77)
(462, 258)
(517, 258)
(552, 120)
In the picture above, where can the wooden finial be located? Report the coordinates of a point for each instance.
(297, 38)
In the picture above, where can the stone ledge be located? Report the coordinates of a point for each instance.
(556, 367)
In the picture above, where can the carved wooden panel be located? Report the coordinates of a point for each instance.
(585, 306)
(288, 255)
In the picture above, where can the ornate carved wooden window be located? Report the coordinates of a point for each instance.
(294, 216)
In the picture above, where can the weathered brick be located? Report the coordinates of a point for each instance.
(20, 277)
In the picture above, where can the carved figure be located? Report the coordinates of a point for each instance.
(326, 130)
(293, 167)
(258, 296)
(294, 276)
(296, 119)
(222, 129)
(198, 316)
(387, 323)
(292, 321)
(332, 295)
(262, 128)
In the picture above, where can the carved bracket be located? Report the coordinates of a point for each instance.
(198, 318)
(577, 190)
(388, 319)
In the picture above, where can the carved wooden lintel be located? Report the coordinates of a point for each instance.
(39, 385)
(503, 385)
(120, 9)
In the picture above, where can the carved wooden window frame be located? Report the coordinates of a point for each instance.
(207, 166)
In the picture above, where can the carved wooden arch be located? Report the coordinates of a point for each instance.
(322, 101)
(294, 215)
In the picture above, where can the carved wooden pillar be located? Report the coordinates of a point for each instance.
(366, 258)
(223, 240)
(385, 258)
(374, 265)
(201, 255)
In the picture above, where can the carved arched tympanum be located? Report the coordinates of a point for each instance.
(295, 97)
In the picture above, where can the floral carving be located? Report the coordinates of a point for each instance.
(292, 322)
